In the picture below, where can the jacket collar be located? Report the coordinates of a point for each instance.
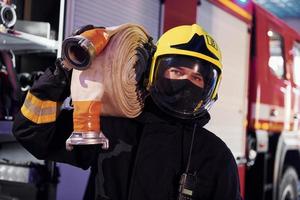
(153, 114)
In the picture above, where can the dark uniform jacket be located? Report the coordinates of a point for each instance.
(146, 157)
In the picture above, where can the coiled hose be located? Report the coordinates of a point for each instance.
(115, 77)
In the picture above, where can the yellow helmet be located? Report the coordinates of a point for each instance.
(188, 51)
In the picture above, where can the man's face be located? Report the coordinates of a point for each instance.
(180, 73)
(183, 85)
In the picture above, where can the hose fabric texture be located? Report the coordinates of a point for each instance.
(115, 77)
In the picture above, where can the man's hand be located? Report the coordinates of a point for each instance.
(54, 84)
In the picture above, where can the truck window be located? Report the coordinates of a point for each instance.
(296, 70)
(276, 59)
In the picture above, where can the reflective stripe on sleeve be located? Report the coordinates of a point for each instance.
(40, 111)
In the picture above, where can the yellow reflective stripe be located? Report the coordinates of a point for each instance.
(267, 126)
(231, 5)
(40, 111)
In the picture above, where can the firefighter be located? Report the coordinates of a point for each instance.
(164, 153)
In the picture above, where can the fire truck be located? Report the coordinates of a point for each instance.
(258, 111)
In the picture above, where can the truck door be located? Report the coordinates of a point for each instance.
(228, 115)
(296, 84)
(278, 87)
(273, 96)
(233, 38)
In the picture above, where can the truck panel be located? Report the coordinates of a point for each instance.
(229, 112)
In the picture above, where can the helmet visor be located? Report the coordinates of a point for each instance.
(183, 85)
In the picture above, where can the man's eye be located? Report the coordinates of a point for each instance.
(196, 78)
(176, 72)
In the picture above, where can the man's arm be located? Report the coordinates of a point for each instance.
(47, 141)
(42, 128)
(228, 185)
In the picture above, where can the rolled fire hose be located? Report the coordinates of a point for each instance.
(125, 59)
(111, 86)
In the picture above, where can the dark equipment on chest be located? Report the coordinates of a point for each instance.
(187, 185)
(188, 181)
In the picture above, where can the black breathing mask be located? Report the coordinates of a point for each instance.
(182, 95)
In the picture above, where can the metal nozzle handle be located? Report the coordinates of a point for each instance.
(88, 138)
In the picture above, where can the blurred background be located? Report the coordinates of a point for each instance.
(288, 10)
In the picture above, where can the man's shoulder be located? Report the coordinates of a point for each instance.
(211, 144)
(212, 159)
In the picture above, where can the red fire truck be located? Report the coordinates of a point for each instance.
(258, 111)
